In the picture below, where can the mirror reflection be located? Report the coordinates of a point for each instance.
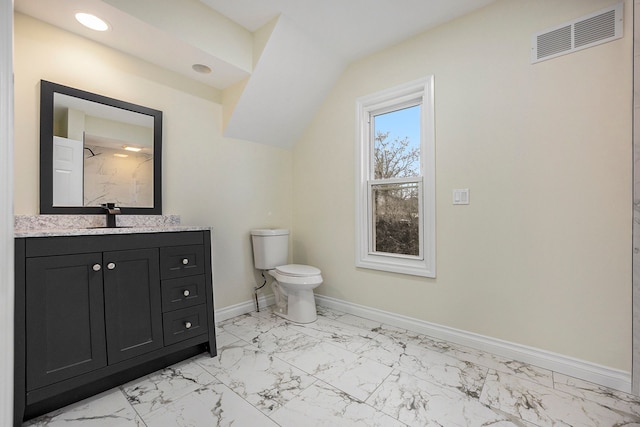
(101, 154)
(97, 150)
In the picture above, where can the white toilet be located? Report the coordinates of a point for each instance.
(294, 283)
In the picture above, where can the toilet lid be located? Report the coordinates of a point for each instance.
(297, 270)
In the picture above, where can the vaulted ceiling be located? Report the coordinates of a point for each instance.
(273, 60)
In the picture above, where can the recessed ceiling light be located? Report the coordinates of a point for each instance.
(201, 68)
(91, 21)
(130, 148)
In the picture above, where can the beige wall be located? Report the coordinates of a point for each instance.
(542, 255)
(209, 180)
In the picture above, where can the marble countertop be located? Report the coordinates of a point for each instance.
(94, 231)
(92, 225)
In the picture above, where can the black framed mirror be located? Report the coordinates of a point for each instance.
(95, 150)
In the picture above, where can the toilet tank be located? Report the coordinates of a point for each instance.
(270, 248)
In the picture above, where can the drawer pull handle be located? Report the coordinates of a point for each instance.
(186, 293)
(96, 267)
(185, 261)
(111, 265)
(187, 325)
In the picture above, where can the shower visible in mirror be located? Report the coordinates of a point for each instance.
(95, 150)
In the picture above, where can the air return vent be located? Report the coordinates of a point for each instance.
(588, 31)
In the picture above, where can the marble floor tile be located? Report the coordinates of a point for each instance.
(264, 312)
(224, 338)
(492, 361)
(399, 338)
(323, 405)
(268, 334)
(160, 388)
(261, 379)
(328, 313)
(360, 322)
(384, 349)
(341, 334)
(417, 402)
(604, 396)
(443, 369)
(345, 370)
(404, 337)
(359, 378)
(212, 405)
(283, 339)
(545, 406)
(249, 326)
(427, 364)
(108, 409)
(341, 368)
(318, 357)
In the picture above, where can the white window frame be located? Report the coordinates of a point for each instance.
(395, 98)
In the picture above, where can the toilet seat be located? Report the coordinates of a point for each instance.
(298, 275)
(297, 270)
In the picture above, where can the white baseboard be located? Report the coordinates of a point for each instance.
(598, 374)
(243, 308)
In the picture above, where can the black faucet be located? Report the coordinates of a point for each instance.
(112, 211)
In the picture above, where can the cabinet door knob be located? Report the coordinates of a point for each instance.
(111, 265)
(185, 261)
(187, 325)
(96, 267)
(186, 293)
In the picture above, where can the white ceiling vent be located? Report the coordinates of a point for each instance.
(588, 31)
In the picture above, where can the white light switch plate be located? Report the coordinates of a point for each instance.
(461, 196)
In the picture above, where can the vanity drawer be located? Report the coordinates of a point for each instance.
(180, 325)
(183, 292)
(181, 261)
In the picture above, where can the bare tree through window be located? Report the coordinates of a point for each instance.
(395, 179)
(396, 205)
(396, 158)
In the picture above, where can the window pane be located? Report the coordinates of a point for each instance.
(396, 145)
(396, 219)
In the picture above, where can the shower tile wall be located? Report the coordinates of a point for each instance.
(127, 181)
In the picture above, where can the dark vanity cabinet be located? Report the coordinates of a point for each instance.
(93, 312)
(65, 318)
(131, 303)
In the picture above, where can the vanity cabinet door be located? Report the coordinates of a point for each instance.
(65, 321)
(133, 311)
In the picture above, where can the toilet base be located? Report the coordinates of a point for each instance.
(300, 307)
(286, 316)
